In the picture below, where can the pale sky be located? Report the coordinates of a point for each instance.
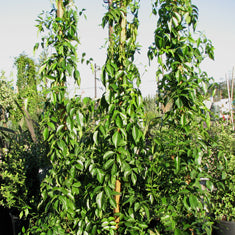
(19, 34)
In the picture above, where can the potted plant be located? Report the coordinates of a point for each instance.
(223, 179)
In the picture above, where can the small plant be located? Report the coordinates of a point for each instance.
(180, 206)
(222, 173)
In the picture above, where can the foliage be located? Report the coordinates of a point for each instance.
(28, 97)
(181, 144)
(78, 193)
(7, 97)
(20, 164)
(158, 159)
(222, 173)
(63, 123)
(26, 74)
(118, 154)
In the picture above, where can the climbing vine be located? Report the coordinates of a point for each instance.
(63, 122)
(114, 201)
(91, 154)
(182, 146)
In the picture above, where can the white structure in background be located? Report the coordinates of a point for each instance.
(224, 107)
(208, 103)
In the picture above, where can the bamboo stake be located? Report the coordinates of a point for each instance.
(117, 200)
(123, 24)
(110, 26)
(228, 88)
(123, 33)
(60, 10)
(232, 99)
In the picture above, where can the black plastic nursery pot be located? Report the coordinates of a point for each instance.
(224, 228)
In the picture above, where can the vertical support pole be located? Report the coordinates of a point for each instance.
(110, 26)
(232, 99)
(229, 98)
(60, 11)
(123, 23)
(95, 82)
(117, 200)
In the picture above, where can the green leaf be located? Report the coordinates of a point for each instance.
(208, 121)
(193, 201)
(79, 165)
(95, 137)
(119, 74)
(116, 138)
(169, 25)
(108, 191)
(59, 128)
(114, 170)
(51, 125)
(77, 185)
(77, 76)
(99, 199)
(133, 178)
(42, 68)
(109, 69)
(119, 122)
(177, 164)
(49, 232)
(198, 159)
(112, 202)
(69, 122)
(108, 154)
(179, 232)
(45, 133)
(175, 21)
(108, 164)
(210, 185)
(135, 133)
(185, 202)
(100, 175)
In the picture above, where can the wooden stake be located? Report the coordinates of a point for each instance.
(60, 10)
(117, 200)
(110, 26)
(231, 96)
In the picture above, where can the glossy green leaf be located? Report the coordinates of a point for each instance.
(108, 154)
(45, 133)
(177, 164)
(210, 185)
(193, 202)
(135, 133)
(79, 165)
(133, 178)
(100, 175)
(59, 128)
(116, 138)
(199, 156)
(109, 164)
(119, 122)
(99, 199)
(95, 137)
